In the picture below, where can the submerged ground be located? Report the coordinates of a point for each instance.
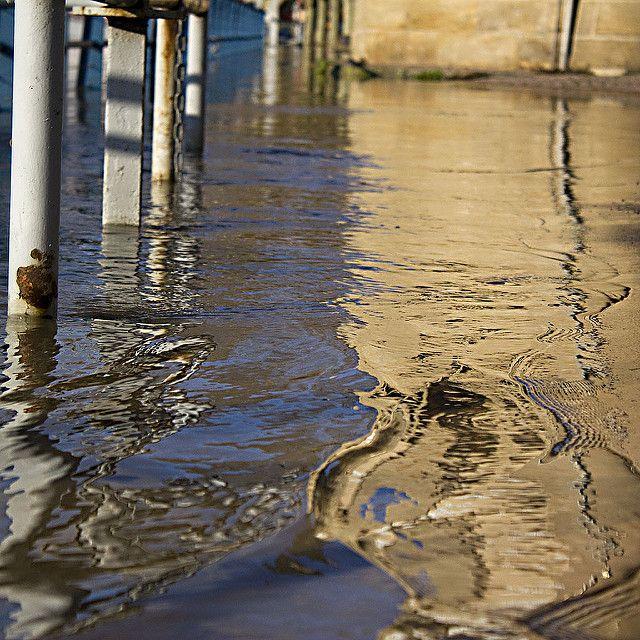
(371, 370)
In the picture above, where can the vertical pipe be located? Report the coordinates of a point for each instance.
(272, 23)
(335, 20)
(196, 81)
(320, 37)
(151, 62)
(270, 85)
(347, 17)
(297, 26)
(162, 144)
(125, 63)
(568, 9)
(309, 32)
(36, 156)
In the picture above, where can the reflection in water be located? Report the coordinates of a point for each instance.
(36, 474)
(203, 367)
(492, 360)
(195, 379)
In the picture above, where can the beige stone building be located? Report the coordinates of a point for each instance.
(601, 36)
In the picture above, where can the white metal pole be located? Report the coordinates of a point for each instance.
(36, 158)
(298, 35)
(196, 81)
(124, 60)
(272, 24)
(162, 146)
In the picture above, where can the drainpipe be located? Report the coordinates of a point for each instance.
(568, 13)
(309, 24)
(36, 156)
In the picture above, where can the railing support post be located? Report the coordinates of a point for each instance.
(320, 36)
(196, 81)
(81, 80)
(36, 156)
(335, 22)
(162, 169)
(272, 23)
(309, 24)
(124, 60)
(347, 17)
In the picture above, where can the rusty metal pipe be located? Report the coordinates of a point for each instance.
(163, 116)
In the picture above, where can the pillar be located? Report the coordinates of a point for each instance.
(124, 62)
(195, 90)
(335, 20)
(36, 156)
(567, 21)
(163, 90)
(84, 55)
(309, 23)
(320, 37)
(272, 23)
(347, 17)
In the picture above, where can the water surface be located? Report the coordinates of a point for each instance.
(369, 371)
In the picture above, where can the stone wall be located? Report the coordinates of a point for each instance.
(607, 35)
(493, 34)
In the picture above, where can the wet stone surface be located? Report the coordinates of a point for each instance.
(369, 371)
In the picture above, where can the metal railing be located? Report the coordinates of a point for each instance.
(199, 7)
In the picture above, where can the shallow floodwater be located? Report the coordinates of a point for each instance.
(369, 371)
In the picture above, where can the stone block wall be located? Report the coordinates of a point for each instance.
(492, 34)
(607, 36)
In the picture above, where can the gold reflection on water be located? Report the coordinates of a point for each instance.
(499, 483)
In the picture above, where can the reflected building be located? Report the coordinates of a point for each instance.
(497, 484)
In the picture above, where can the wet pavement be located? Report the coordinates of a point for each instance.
(369, 371)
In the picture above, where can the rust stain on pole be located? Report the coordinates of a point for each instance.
(37, 282)
(163, 120)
